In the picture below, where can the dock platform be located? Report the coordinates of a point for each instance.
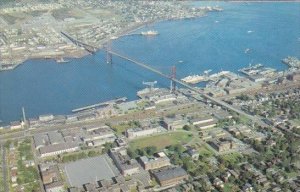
(97, 105)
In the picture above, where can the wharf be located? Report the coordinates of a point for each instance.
(111, 102)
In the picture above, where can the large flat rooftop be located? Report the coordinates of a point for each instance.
(90, 170)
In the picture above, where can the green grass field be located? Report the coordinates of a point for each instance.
(161, 141)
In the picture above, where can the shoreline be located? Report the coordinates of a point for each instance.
(82, 53)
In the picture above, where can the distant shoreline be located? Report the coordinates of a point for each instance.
(261, 1)
(81, 54)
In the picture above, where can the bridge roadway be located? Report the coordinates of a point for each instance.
(87, 47)
(215, 100)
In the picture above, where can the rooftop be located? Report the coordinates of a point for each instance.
(90, 170)
(169, 173)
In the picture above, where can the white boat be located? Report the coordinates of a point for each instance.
(149, 33)
(61, 60)
(207, 71)
(113, 38)
(250, 31)
(193, 79)
(247, 50)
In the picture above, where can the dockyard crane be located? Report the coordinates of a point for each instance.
(150, 84)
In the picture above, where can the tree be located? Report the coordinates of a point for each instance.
(92, 153)
(107, 147)
(243, 97)
(132, 154)
(151, 150)
(140, 152)
(187, 128)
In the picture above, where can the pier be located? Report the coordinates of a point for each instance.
(89, 107)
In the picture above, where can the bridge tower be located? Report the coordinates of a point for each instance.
(172, 77)
(108, 54)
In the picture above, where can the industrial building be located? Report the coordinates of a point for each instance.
(57, 149)
(222, 144)
(158, 161)
(170, 176)
(95, 136)
(90, 170)
(123, 162)
(139, 132)
(173, 123)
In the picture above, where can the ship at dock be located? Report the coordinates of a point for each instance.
(62, 60)
(193, 79)
(149, 33)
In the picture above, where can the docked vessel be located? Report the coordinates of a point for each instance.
(62, 60)
(113, 38)
(193, 79)
(251, 67)
(149, 33)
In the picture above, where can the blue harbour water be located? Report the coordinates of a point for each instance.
(217, 41)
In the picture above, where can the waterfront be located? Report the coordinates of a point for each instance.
(216, 42)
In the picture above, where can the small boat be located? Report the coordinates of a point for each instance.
(206, 72)
(216, 21)
(113, 38)
(149, 33)
(247, 50)
(61, 60)
(180, 61)
(250, 31)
